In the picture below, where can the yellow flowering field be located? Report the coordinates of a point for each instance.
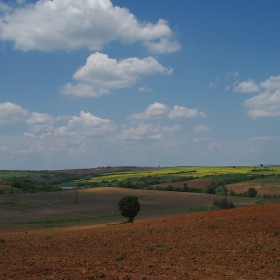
(186, 171)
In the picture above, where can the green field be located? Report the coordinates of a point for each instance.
(140, 177)
(219, 173)
(101, 188)
(7, 175)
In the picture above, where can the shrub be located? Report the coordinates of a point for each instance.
(211, 188)
(252, 192)
(231, 193)
(221, 190)
(170, 188)
(129, 207)
(223, 204)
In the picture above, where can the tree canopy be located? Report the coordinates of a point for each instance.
(129, 207)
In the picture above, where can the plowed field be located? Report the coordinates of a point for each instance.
(241, 243)
(262, 188)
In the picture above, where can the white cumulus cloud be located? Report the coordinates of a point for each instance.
(264, 105)
(158, 110)
(179, 113)
(11, 113)
(272, 83)
(154, 111)
(142, 131)
(101, 74)
(247, 86)
(85, 125)
(163, 46)
(146, 132)
(74, 24)
(39, 118)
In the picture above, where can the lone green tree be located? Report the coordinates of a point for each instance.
(129, 207)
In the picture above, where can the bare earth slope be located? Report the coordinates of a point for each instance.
(232, 244)
(95, 202)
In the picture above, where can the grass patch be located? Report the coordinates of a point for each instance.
(2, 240)
(192, 210)
(56, 222)
(16, 203)
(260, 202)
(158, 249)
(161, 249)
(52, 223)
(118, 258)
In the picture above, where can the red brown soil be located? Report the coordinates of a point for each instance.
(231, 244)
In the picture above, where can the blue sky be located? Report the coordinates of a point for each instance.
(87, 83)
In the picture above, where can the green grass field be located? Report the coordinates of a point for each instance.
(107, 177)
(219, 173)
(180, 171)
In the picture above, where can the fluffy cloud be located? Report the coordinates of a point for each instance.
(154, 111)
(159, 110)
(247, 86)
(82, 90)
(146, 132)
(180, 113)
(201, 128)
(37, 118)
(11, 113)
(272, 83)
(163, 46)
(264, 105)
(85, 125)
(43, 121)
(74, 24)
(83, 136)
(44, 135)
(143, 131)
(101, 74)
